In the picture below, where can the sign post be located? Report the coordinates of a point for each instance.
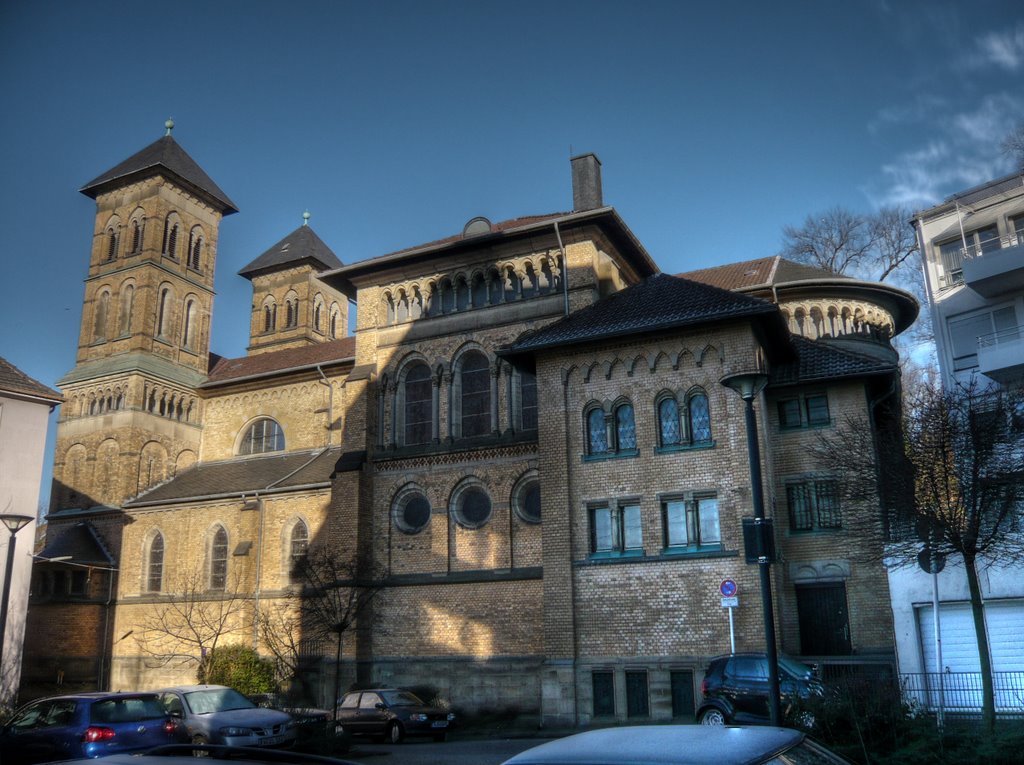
(730, 600)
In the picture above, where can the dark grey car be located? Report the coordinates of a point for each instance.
(215, 714)
(392, 713)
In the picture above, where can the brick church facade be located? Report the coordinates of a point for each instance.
(524, 445)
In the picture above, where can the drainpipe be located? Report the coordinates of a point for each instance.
(330, 402)
(565, 268)
(259, 573)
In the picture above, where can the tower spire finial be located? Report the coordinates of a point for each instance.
(169, 124)
(305, 218)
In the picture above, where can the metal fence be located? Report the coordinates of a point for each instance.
(960, 692)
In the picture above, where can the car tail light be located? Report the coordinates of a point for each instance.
(94, 733)
(170, 727)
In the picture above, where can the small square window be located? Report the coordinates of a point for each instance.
(789, 413)
(615, 530)
(691, 522)
(804, 411)
(817, 410)
(813, 505)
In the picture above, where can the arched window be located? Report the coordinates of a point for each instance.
(125, 323)
(625, 428)
(171, 238)
(318, 310)
(334, 322)
(668, 422)
(268, 318)
(155, 564)
(597, 434)
(195, 248)
(136, 236)
(419, 410)
(263, 436)
(475, 398)
(527, 400)
(163, 313)
(100, 325)
(218, 557)
(188, 323)
(111, 244)
(298, 547)
(699, 416)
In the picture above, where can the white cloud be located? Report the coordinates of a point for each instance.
(963, 151)
(1002, 49)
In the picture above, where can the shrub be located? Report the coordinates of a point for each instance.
(240, 668)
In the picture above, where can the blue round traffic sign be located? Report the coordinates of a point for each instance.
(728, 588)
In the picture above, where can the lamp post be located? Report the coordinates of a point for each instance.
(748, 385)
(14, 524)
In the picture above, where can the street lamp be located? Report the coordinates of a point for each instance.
(748, 385)
(14, 524)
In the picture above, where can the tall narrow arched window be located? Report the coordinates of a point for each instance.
(111, 244)
(163, 313)
(597, 434)
(334, 324)
(699, 416)
(155, 564)
(268, 319)
(668, 422)
(419, 409)
(102, 309)
(527, 400)
(475, 398)
(625, 428)
(188, 324)
(218, 556)
(263, 436)
(171, 239)
(195, 249)
(318, 310)
(298, 547)
(125, 322)
(136, 236)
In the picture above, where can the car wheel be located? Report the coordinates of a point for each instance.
(712, 717)
(395, 733)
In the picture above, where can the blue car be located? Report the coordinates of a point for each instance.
(85, 725)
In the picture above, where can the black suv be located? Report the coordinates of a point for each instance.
(735, 688)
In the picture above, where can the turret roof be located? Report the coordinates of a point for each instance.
(164, 154)
(300, 246)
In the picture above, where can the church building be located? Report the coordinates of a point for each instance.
(524, 450)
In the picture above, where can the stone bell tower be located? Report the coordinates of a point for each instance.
(132, 417)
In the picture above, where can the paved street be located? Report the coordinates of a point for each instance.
(472, 752)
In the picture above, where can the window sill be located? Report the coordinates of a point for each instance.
(684, 448)
(814, 531)
(798, 428)
(692, 551)
(605, 559)
(625, 454)
(616, 554)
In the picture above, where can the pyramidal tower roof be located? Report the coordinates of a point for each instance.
(163, 156)
(300, 246)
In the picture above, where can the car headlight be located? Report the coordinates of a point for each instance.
(419, 717)
(233, 730)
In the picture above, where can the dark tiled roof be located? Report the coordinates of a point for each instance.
(758, 273)
(13, 380)
(244, 475)
(223, 370)
(163, 153)
(302, 245)
(818, 360)
(658, 302)
(81, 543)
(505, 225)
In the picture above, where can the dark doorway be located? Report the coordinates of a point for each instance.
(637, 702)
(682, 693)
(824, 620)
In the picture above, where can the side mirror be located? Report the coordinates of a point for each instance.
(379, 705)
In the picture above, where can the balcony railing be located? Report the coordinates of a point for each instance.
(960, 692)
(952, 260)
(1008, 335)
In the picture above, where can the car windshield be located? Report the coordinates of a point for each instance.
(401, 699)
(127, 710)
(796, 668)
(217, 700)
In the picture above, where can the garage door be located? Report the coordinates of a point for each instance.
(1005, 621)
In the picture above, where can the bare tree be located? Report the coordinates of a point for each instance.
(326, 605)
(187, 626)
(951, 480)
(1013, 146)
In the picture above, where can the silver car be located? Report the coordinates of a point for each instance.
(215, 714)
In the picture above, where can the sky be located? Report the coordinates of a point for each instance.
(394, 123)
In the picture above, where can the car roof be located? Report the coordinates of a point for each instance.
(190, 688)
(663, 744)
(95, 696)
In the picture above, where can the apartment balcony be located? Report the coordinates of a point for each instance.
(992, 270)
(1001, 355)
